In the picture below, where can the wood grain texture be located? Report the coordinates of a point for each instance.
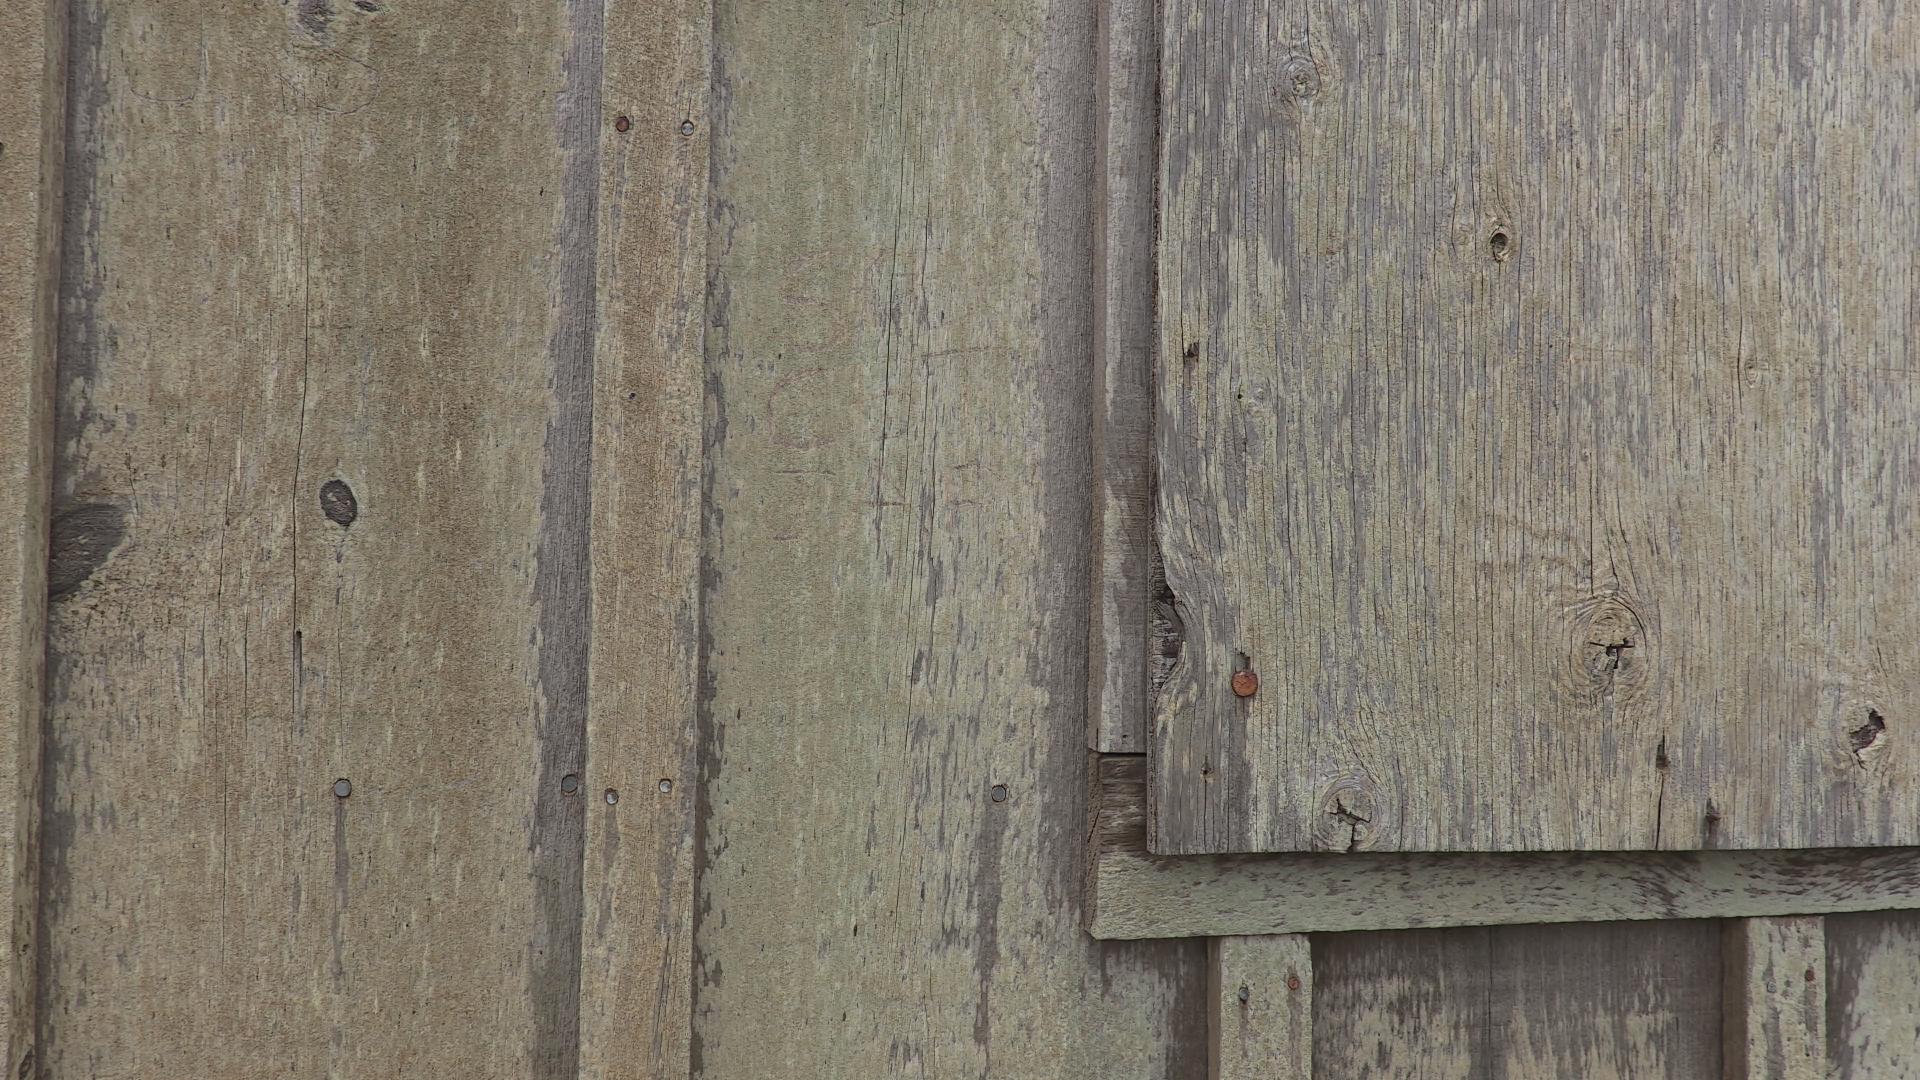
(326, 341)
(1873, 994)
(636, 981)
(897, 567)
(32, 152)
(1776, 998)
(1261, 1026)
(1599, 1001)
(1126, 108)
(1136, 894)
(1536, 416)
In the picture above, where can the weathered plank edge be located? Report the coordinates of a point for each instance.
(1247, 1035)
(1135, 894)
(1126, 107)
(33, 136)
(1775, 998)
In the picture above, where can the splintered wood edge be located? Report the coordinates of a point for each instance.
(1132, 893)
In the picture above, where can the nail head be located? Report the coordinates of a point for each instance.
(612, 796)
(570, 784)
(666, 786)
(1245, 683)
(999, 793)
(342, 788)
(621, 124)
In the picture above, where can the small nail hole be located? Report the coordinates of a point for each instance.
(570, 784)
(342, 788)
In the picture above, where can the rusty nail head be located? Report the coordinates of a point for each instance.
(1810, 975)
(1245, 683)
(1293, 982)
(621, 124)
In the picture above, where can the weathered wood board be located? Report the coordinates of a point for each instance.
(897, 572)
(321, 691)
(1261, 1025)
(1604, 1001)
(1536, 417)
(1775, 998)
(1133, 893)
(1873, 994)
(32, 131)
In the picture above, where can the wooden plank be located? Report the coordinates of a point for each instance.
(1776, 998)
(1534, 418)
(1873, 1011)
(1602, 1000)
(897, 568)
(636, 981)
(1136, 894)
(317, 656)
(1126, 110)
(32, 149)
(1261, 1025)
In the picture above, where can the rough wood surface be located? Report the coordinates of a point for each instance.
(32, 132)
(1125, 108)
(1536, 417)
(1873, 994)
(1606, 1001)
(1776, 998)
(897, 579)
(317, 639)
(1136, 894)
(1261, 1026)
(636, 981)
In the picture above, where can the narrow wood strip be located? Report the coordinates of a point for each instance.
(1873, 1011)
(1135, 894)
(640, 784)
(1776, 998)
(1261, 1024)
(1127, 105)
(32, 146)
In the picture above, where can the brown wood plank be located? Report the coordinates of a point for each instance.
(1535, 417)
(1873, 994)
(1261, 1024)
(636, 981)
(1776, 998)
(1604, 1000)
(1136, 894)
(317, 662)
(1126, 110)
(32, 135)
(897, 567)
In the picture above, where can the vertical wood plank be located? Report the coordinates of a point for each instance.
(1261, 1026)
(1873, 994)
(32, 131)
(897, 568)
(1126, 109)
(1776, 998)
(640, 788)
(1599, 1000)
(318, 647)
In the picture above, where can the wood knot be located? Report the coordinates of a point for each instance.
(1869, 739)
(338, 503)
(1347, 816)
(1299, 77)
(1610, 651)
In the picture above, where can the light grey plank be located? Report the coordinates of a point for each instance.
(1261, 1025)
(1536, 416)
(1776, 998)
(1873, 994)
(897, 564)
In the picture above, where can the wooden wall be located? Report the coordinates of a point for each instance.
(571, 556)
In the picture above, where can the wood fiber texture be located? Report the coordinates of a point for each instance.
(1873, 994)
(1602, 1001)
(32, 131)
(1136, 894)
(331, 630)
(1776, 998)
(897, 566)
(1537, 417)
(1262, 1021)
